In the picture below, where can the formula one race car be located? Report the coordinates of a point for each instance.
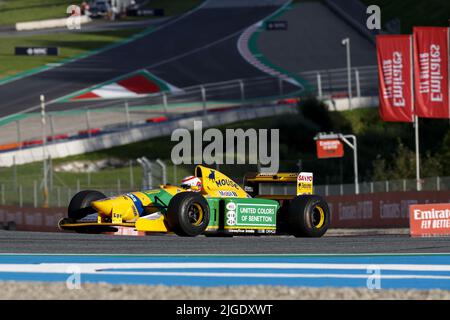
(267, 204)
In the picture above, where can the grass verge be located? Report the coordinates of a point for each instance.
(70, 45)
(12, 11)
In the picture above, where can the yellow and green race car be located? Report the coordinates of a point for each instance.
(280, 203)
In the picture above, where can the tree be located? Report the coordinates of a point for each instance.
(403, 165)
(444, 155)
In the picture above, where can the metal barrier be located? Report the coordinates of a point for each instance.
(328, 84)
(154, 173)
(69, 120)
(25, 189)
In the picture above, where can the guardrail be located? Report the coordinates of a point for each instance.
(332, 84)
(26, 191)
(117, 136)
(72, 120)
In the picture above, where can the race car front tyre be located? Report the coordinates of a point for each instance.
(188, 214)
(308, 216)
(80, 205)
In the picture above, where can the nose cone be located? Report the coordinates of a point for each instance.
(104, 207)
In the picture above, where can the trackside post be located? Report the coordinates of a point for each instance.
(44, 152)
(353, 145)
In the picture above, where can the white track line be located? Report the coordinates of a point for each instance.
(111, 267)
(245, 52)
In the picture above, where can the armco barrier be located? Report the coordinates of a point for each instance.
(378, 210)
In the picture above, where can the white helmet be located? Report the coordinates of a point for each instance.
(191, 181)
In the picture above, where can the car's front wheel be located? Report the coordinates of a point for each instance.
(80, 205)
(188, 214)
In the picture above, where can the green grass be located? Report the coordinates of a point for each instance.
(414, 12)
(70, 45)
(12, 11)
(174, 7)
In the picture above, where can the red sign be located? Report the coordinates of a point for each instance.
(394, 54)
(427, 220)
(329, 148)
(431, 72)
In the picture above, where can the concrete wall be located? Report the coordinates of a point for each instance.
(126, 136)
(342, 104)
(46, 24)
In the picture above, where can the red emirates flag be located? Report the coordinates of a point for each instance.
(394, 54)
(431, 72)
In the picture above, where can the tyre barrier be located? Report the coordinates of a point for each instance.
(10, 146)
(89, 132)
(156, 119)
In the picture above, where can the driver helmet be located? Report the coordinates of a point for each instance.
(191, 181)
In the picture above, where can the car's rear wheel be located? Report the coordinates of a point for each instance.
(80, 205)
(308, 216)
(188, 214)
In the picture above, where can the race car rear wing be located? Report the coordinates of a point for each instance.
(280, 184)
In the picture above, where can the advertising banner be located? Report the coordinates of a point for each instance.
(431, 72)
(305, 183)
(36, 51)
(394, 53)
(329, 148)
(427, 220)
(379, 210)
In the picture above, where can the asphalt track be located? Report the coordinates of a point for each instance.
(374, 262)
(313, 41)
(71, 243)
(198, 47)
(372, 272)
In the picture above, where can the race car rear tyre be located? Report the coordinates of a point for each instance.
(188, 214)
(80, 205)
(308, 216)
